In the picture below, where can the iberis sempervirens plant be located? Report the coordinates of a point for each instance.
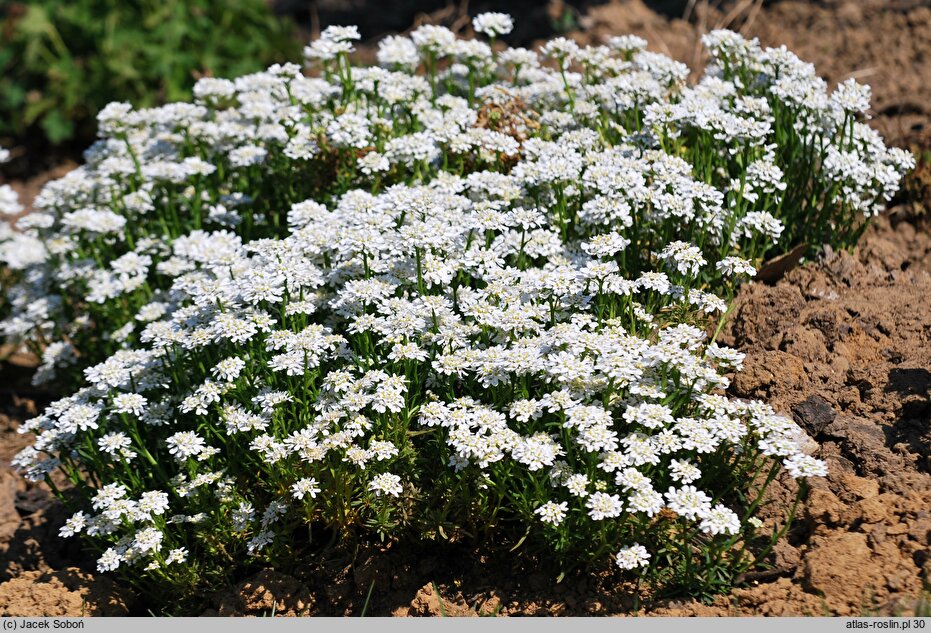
(471, 290)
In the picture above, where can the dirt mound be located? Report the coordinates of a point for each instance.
(69, 592)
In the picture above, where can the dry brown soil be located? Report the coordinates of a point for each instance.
(842, 344)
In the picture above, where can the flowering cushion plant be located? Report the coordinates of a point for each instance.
(470, 291)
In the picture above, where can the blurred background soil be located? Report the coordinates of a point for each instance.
(842, 344)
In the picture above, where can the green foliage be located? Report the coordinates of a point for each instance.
(63, 60)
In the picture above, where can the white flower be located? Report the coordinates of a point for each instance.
(111, 443)
(100, 221)
(851, 97)
(397, 50)
(683, 471)
(341, 33)
(306, 486)
(228, 370)
(645, 500)
(687, 258)
(243, 516)
(735, 266)
(688, 502)
(632, 557)
(108, 495)
(560, 48)
(9, 199)
(373, 163)
(761, 223)
(552, 512)
(257, 543)
(325, 49)
(493, 24)
(247, 155)
(73, 525)
(178, 555)
(604, 506)
(130, 403)
(537, 451)
(147, 540)
(577, 485)
(627, 43)
(215, 87)
(805, 466)
(185, 444)
(720, 520)
(434, 38)
(109, 561)
(652, 416)
(386, 483)
(154, 502)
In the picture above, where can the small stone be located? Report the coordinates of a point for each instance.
(898, 528)
(860, 486)
(877, 535)
(787, 557)
(897, 581)
(824, 506)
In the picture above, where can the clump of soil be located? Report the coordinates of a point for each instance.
(69, 592)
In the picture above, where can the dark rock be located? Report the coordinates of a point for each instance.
(813, 414)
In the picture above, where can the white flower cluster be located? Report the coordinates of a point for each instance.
(645, 147)
(314, 290)
(18, 251)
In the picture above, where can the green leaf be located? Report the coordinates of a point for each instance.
(57, 128)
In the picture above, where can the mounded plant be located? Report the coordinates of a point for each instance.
(468, 293)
